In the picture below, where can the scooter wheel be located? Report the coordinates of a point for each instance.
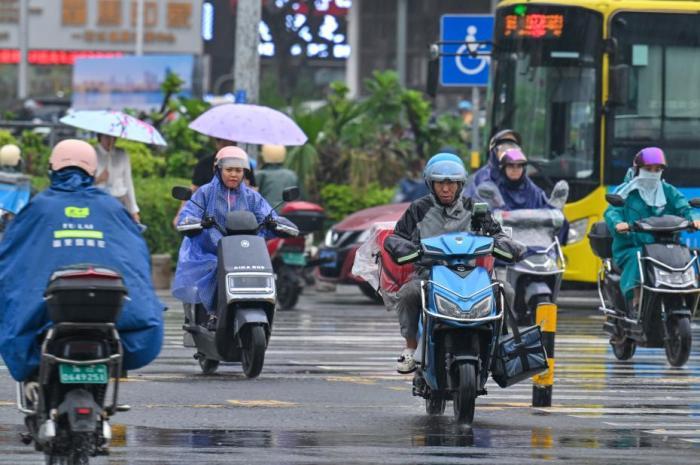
(253, 352)
(678, 341)
(208, 365)
(623, 350)
(464, 401)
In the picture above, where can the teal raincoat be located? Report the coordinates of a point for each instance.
(626, 246)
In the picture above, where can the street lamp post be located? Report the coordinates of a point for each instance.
(139, 28)
(23, 39)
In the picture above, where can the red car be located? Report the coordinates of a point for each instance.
(344, 238)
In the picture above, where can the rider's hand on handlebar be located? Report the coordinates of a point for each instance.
(207, 222)
(696, 225)
(622, 227)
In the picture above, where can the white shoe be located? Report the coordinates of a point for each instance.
(406, 363)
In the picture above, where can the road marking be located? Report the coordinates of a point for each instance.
(262, 403)
(351, 379)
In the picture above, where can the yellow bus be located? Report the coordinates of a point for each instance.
(587, 84)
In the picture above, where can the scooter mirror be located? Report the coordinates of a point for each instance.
(479, 208)
(290, 193)
(560, 193)
(489, 192)
(181, 193)
(615, 200)
(695, 202)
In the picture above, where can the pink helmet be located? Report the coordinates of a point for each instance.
(650, 156)
(232, 156)
(513, 157)
(73, 152)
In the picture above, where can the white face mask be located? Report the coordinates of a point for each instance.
(649, 180)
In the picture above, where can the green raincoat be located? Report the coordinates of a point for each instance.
(626, 246)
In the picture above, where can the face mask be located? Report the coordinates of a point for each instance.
(649, 179)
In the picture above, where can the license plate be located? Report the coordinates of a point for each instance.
(294, 258)
(328, 258)
(88, 374)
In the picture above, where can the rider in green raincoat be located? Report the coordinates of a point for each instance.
(645, 195)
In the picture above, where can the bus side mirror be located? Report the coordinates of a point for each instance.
(433, 71)
(619, 85)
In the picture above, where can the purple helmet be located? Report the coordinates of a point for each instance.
(513, 157)
(650, 156)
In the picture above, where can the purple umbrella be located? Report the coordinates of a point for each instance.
(250, 124)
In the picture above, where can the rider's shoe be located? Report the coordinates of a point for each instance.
(406, 363)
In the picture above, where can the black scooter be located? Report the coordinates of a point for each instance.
(669, 288)
(246, 294)
(65, 406)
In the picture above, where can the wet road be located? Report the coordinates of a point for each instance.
(328, 394)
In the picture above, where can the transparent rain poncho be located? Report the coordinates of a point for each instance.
(195, 276)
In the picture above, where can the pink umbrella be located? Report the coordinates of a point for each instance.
(250, 124)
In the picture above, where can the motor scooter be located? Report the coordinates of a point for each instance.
(535, 279)
(66, 406)
(291, 258)
(461, 319)
(669, 288)
(246, 293)
(15, 190)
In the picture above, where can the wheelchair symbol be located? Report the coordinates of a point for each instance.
(471, 47)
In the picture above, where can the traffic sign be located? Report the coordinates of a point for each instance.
(460, 35)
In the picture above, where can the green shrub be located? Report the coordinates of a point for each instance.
(144, 163)
(158, 209)
(340, 200)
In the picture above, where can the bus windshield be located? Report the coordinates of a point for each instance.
(657, 68)
(546, 74)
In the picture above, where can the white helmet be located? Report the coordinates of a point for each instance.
(10, 155)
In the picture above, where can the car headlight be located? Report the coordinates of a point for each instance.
(330, 238)
(675, 278)
(577, 231)
(251, 284)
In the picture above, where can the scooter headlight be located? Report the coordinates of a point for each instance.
(479, 310)
(675, 278)
(482, 308)
(447, 307)
(250, 284)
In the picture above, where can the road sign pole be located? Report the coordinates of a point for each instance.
(476, 116)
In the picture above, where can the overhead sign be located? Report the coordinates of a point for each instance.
(463, 59)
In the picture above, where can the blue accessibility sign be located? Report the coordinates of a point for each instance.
(464, 59)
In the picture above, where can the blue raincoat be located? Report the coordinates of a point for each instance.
(195, 277)
(483, 174)
(73, 222)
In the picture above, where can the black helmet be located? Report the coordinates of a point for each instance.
(505, 135)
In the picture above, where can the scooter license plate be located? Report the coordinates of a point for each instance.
(294, 258)
(85, 374)
(328, 258)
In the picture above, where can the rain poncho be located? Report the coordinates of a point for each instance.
(73, 222)
(626, 246)
(483, 174)
(195, 277)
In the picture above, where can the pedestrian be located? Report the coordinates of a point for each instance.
(114, 174)
(273, 178)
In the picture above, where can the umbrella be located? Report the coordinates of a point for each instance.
(249, 124)
(114, 123)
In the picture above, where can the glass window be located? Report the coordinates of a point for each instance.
(546, 88)
(657, 103)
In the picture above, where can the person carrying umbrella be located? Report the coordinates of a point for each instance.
(114, 168)
(114, 174)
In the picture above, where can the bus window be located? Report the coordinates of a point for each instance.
(662, 103)
(546, 70)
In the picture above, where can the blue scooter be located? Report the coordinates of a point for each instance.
(461, 321)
